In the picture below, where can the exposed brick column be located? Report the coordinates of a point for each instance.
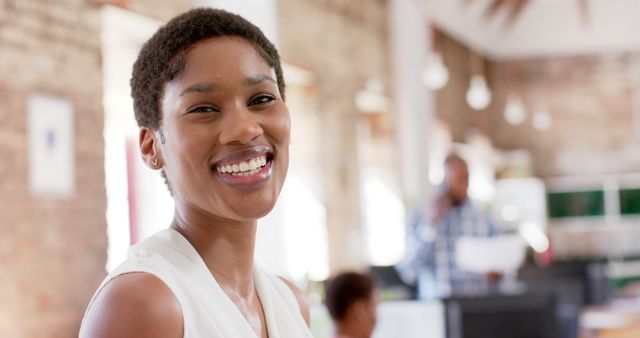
(344, 44)
(52, 250)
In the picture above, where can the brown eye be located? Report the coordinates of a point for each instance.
(262, 99)
(203, 109)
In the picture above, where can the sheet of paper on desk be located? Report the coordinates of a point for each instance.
(503, 253)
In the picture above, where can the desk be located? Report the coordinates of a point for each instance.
(410, 319)
(620, 320)
(406, 319)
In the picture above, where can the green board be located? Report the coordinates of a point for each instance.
(630, 201)
(575, 203)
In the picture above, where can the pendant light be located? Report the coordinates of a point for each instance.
(478, 94)
(541, 120)
(514, 111)
(435, 74)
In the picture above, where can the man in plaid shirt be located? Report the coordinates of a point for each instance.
(432, 235)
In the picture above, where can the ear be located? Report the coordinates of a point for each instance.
(149, 149)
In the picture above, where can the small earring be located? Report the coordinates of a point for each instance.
(155, 162)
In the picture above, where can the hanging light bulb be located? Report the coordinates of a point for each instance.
(514, 111)
(541, 120)
(435, 74)
(371, 99)
(478, 95)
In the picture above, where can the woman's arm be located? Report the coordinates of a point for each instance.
(134, 305)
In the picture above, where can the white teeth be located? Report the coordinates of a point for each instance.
(246, 173)
(244, 168)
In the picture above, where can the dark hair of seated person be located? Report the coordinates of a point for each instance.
(344, 289)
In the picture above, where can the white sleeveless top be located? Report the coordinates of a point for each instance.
(207, 311)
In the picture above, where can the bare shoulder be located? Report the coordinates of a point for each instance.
(134, 305)
(302, 303)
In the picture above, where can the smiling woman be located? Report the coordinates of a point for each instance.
(209, 99)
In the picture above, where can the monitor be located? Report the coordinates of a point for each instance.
(498, 316)
(390, 283)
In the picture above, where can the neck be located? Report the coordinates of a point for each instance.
(226, 247)
(348, 330)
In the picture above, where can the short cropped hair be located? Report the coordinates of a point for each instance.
(344, 289)
(163, 57)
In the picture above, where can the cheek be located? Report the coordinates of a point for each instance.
(182, 152)
(278, 127)
(284, 127)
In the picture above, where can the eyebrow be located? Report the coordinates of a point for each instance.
(207, 87)
(254, 80)
(199, 88)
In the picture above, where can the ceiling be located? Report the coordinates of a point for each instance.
(543, 28)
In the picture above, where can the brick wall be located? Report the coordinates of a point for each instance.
(52, 251)
(589, 97)
(590, 100)
(344, 44)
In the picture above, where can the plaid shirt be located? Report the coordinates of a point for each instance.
(430, 252)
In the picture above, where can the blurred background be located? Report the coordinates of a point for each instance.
(541, 98)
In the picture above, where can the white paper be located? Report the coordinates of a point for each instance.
(51, 155)
(504, 253)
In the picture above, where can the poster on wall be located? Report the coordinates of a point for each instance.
(51, 146)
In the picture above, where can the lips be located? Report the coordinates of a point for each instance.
(244, 169)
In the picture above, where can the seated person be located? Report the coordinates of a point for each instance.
(351, 299)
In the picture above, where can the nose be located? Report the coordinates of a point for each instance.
(240, 126)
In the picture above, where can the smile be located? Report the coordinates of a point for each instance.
(247, 169)
(244, 168)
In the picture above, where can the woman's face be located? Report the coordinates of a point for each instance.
(226, 132)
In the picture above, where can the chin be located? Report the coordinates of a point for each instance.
(259, 214)
(255, 210)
